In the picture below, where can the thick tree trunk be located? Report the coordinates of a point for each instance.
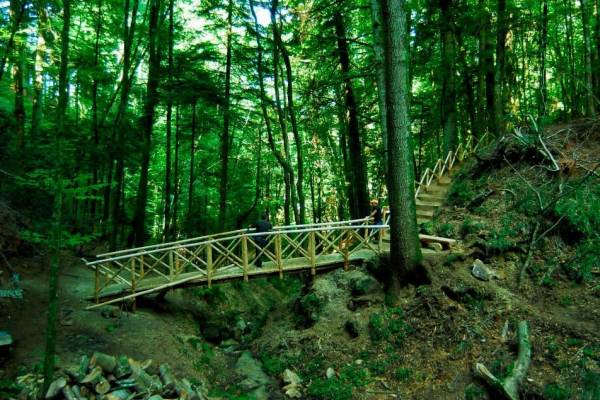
(376, 21)
(482, 120)
(168, 176)
(448, 96)
(281, 159)
(19, 104)
(49, 357)
(38, 83)
(226, 118)
(147, 122)
(292, 113)
(590, 109)
(119, 126)
(95, 128)
(502, 31)
(17, 14)
(355, 153)
(405, 249)
(176, 179)
(542, 89)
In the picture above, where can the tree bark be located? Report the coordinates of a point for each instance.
(17, 14)
(502, 31)
(119, 144)
(95, 128)
(18, 67)
(542, 89)
(405, 249)
(147, 123)
(448, 95)
(226, 118)
(482, 119)
(590, 109)
(292, 113)
(376, 21)
(360, 208)
(56, 234)
(170, 94)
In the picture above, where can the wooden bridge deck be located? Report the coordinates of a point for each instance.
(127, 274)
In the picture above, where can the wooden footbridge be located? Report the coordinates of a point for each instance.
(127, 274)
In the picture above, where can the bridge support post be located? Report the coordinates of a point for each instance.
(245, 256)
(312, 253)
(209, 264)
(133, 283)
(171, 265)
(278, 255)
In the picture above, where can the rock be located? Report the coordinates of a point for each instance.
(289, 376)
(361, 283)
(293, 391)
(358, 362)
(330, 373)
(480, 271)
(248, 384)
(229, 345)
(255, 377)
(352, 328)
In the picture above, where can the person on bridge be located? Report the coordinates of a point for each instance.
(263, 225)
(376, 213)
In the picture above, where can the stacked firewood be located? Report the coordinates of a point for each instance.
(104, 377)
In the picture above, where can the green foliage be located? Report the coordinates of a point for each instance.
(461, 193)
(9, 388)
(505, 238)
(272, 364)
(403, 374)
(591, 386)
(389, 326)
(330, 389)
(446, 230)
(470, 226)
(355, 375)
(554, 391)
(566, 301)
(581, 209)
(475, 392)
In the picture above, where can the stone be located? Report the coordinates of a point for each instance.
(330, 373)
(255, 378)
(481, 271)
(291, 377)
(293, 391)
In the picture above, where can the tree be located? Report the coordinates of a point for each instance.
(590, 108)
(448, 97)
(405, 249)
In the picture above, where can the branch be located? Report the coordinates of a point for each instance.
(509, 387)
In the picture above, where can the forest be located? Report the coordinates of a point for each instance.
(128, 126)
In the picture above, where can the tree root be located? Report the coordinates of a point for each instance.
(509, 387)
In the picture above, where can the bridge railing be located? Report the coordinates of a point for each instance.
(220, 256)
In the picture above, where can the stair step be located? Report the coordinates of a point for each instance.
(435, 188)
(444, 180)
(431, 197)
(425, 213)
(428, 205)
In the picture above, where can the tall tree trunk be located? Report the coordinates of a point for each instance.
(376, 21)
(502, 31)
(542, 89)
(19, 104)
(56, 234)
(38, 82)
(226, 117)
(292, 113)
(147, 122)
(95, 128)
(590, 109)
(281, 159)
(168, 176)
(571, 57)
(405, 249)
(482, 120)
(17, 14)
(119, 126)
(360, 208)
(192, 165)
(448, 96)
(177, 179)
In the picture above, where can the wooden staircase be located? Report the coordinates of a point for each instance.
(430, 199)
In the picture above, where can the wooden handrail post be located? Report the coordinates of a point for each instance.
(312, 252)
(97, 291)
(209, 264)
(171, 274)
(142, 267)
(346, 250)
(177, 263)
(278, 255)
(245, 256)
(133, 283)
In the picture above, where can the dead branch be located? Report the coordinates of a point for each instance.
(509, 387)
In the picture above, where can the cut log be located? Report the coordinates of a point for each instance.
(122, 368)
(185, 391)
(94, 376)
(120, 394)
(445, 242)
(84, 365)
(167, 378)
(143, 381)
(69, 393)
(509, 387)
(103, 386)
(106, 362)
(56, 387)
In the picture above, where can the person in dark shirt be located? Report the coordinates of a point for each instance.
(376, 213)
(263, 225)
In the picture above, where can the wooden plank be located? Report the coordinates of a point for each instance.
(209, 264)
(445, 242)
(245, 256)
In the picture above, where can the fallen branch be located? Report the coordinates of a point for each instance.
(509, 387)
